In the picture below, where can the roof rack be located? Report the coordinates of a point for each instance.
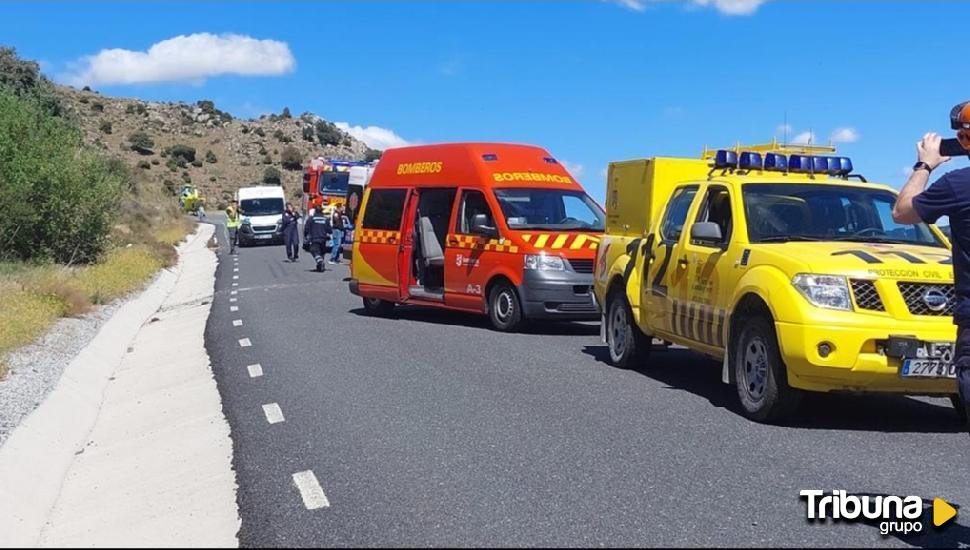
(774, 147)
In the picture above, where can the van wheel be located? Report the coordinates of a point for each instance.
(959, 408)
(376, 306)
(629, 347)
(761, 376)
(504, 309)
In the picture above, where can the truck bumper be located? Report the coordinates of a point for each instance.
(859, 359)
(354, 285)
(563, 295)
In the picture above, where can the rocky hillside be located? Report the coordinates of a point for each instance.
(168, 144)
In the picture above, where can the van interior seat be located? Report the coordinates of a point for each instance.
(431, 251)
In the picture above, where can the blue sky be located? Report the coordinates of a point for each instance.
(592, 81)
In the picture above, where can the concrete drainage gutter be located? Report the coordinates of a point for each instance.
(131, 448)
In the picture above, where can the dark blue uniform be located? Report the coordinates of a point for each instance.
(316, 231)
(950, 196)
(291, 234)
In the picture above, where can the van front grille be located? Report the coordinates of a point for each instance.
(582, 266)
(921, 297)
(866, 295)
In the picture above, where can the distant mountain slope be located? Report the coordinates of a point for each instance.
(241, 150)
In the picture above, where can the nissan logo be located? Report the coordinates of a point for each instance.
(934, 299)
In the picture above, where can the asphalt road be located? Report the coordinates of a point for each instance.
(429, 428)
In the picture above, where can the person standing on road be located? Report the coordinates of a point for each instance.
(233, 221)
(337, 225)
(948, 196)
(291, 232)
(316, 231)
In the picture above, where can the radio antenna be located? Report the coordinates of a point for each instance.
(784, 128)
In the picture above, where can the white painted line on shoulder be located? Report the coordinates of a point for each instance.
(237, 323)
(273, 412)
(255, 371)
(233, 308)
(310, 490)
(244, 342)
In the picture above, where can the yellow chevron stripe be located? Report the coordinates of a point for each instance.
(578, 242)
(527, 238)
(541, 240)
(560, 240)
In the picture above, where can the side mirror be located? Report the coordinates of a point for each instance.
(480, 226)
(708, 233)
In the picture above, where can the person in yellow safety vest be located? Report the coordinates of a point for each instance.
(233, 221)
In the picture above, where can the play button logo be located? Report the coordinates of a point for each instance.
(942, 512)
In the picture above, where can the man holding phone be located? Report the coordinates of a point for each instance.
(948, 196)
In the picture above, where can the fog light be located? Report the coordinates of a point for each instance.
(825, 349)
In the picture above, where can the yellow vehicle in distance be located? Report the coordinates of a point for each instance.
(777, 261)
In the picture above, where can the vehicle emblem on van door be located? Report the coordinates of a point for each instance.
(934, 299)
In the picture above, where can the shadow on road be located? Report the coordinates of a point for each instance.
(435, 316)
(687, 371)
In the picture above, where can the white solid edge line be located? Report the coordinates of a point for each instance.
(255, 371)
(313, 496)
(237, 322)
(273, 412)
(244, 342)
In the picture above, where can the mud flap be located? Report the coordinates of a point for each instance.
(726, 369)
(603, 328)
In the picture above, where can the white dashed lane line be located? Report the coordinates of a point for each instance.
(237, 323)
(232, 299)
(255, 371)
(233, 292)
(235, 284)
(235, 270)
(273, 412)
(233, 308)
(245, 343)
(236, 277)
(313, 496)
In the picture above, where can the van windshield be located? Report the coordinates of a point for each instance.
(779, 212)
(551, 209)
(261, 207)
(333, 182)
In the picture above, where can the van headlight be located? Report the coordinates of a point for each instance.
(542, 262)
(828, 291)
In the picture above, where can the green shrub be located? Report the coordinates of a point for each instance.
(129, 109)
(267, 159)
(105, 127)
(184, 152)
(291, 159)
(84, 100)
(286, 113)
(23, 79)
(272, 176)
(259, 132)
(57, 195)
(308, 133)
(244, 129)
(155, 162)
(145, 165)
(97, 107)
(278, 134)
(141, 109)
(372, 154)
(328, 134)
(141, 143)
(197, 163)
(210, 157)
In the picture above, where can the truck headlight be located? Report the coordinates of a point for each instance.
(828, 291)
(542, 262)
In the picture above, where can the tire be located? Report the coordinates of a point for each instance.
(761, 377)
(628, 346)
(376, 306)
(504, 307)
(959, 408)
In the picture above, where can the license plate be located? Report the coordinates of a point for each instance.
(264, 236)
(929, 368)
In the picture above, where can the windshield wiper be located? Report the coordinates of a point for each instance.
(788, 238)
(884, 240)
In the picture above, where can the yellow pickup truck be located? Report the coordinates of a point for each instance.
(779, 262)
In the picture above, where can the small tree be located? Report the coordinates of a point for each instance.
(210, 157)
(286, 112)
(291, 159)
(141, 143)
(328, 134)
(272, 176)
(308, 133)
(185, 152)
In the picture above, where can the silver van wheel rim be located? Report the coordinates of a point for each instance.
(755, 372)
(619, 328)
(504, 305)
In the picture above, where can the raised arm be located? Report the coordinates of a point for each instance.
(928, 153)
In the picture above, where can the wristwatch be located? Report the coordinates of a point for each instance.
(922, 166)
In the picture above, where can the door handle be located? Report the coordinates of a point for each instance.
(683, 262)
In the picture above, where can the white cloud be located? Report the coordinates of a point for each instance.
(727, 7)
(804, 138)
(573, 168)
(374, 136)
(844, 135)
(184, 58)
(784, 129)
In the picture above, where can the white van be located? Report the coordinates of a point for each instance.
(261, 209)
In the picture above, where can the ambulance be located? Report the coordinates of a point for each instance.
(782, 264)
(498, 229)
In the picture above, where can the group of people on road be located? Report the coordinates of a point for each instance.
(319, 229)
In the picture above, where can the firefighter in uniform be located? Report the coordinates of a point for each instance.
(317, 231)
